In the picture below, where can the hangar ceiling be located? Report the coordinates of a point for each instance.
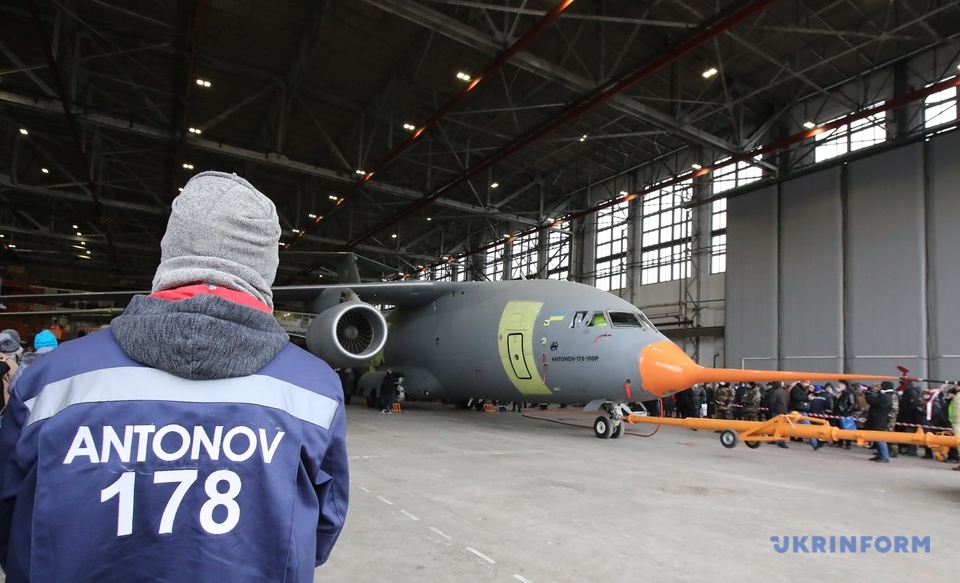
(122, 102)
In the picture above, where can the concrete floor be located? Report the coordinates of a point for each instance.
(440, 494)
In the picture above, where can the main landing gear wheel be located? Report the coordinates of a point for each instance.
(729, 438)
(603, 427)
(752, 444)
(617, 431)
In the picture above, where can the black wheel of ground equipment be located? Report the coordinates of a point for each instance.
(617, 431)
(752, 444)
(603, 427)
(729, 438)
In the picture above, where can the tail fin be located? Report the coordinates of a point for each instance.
(347, 269)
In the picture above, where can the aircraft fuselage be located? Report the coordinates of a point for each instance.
(532, 341)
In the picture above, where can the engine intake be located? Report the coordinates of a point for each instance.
(348, 334)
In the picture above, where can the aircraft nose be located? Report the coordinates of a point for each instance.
(665, 368)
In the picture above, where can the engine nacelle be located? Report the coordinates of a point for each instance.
(348, 334)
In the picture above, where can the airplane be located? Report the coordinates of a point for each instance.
(539, 340)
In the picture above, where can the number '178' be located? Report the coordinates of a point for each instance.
(123, 490)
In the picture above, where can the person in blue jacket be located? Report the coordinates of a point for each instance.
(189, 442)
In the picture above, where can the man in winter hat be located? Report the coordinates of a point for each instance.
(189, 442)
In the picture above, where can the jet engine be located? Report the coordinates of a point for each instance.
(348, 334)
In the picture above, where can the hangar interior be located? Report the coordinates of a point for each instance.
(773, 183)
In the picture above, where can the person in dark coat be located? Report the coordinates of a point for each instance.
(388, 392)
(881, 403)
(699, 398)
(777, 403)
(800, 398)
(909, 413)
(845, 405)
(684, 400)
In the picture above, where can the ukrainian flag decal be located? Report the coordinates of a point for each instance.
(555, 317)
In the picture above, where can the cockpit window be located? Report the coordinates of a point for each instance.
(578, 319)
(624, 319)
(597, 319)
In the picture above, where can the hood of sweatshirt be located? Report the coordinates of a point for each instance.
(204, 337)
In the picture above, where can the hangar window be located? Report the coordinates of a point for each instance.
(862, 133)
(493, 267)
(732, 176)
(940, 107)
(665, 240)
(443, 272)
(558, 253)
(523, 256)
(611, 265)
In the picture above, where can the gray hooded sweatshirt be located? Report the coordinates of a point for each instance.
(201, 338)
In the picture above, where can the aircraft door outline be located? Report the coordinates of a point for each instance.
(517, 360)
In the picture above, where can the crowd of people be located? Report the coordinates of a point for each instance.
(14, 357)
(881, 407)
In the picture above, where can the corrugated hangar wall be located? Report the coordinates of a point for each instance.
(855, 268)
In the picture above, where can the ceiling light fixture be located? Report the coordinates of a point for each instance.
(809, 125)
(188, 166)
(696, 166)
(83, 256)
(332, 197)
(624, 193)
(463, 76)
(409, 127)
(429, 218)
(393, 236)
(360, 172)
(76, 227)
(296, 230)
(583, 138)
(79, 234)
(312, 216)
(710, 72)
(494, 185)
(196, 131)
(83, 242)
(203, 83)
(45, 171)
(12, 246)
(24, 131)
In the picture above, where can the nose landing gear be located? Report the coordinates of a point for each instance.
(611, 425)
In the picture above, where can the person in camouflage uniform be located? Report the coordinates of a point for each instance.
(751, 403)
(892, 420)
(725, 396)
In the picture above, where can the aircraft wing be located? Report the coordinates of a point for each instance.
(409, 293)
(105, 312)
(114, 296)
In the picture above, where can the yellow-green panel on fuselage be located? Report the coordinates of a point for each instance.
(515, 342)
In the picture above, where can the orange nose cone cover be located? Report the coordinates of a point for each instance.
(665, 368)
